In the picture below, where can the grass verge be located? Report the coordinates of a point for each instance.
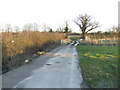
(17, 47)
(99, 65)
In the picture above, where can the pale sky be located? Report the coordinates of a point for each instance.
(55, 12)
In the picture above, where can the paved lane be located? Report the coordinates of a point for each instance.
(56, 69)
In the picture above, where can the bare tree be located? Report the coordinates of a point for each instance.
(8, 28)
(16, 28)
(28, 27)
(114, 29)
(35, 26)
(46, 28)
(85, 24)
(66, 27)
(59, 29)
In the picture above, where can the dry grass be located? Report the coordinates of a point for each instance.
(17, 47)
(104, 35)
(103, 38)
(19, 43)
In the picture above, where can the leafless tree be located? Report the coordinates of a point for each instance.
(114, 29)
(46, 28)
(35, 26)
(59, 29)
(85, 24)
(66, 29)
(8, 28)
(28, 27)
(16, 29)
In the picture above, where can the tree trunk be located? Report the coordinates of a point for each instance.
(83, 36)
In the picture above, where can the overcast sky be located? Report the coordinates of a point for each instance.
(55, 12)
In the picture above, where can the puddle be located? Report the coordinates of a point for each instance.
(48, 64)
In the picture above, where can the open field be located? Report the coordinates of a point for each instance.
(99, 65)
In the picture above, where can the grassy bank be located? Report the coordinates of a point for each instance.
(16, 47)
(99, 65)
(19, 43)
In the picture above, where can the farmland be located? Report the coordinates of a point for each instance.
(99, 65)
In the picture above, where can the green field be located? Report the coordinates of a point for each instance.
(74, 38)
(99, 65)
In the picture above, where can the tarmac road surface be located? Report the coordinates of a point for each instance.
(56, 69)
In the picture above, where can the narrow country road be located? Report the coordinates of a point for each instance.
(56, 69)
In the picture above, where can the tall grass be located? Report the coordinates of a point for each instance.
(16, 47)
(111, 35)
(102, 38)
(18, 43)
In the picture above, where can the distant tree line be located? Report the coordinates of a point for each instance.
(83, 21)
(36, 27)
(110, 33)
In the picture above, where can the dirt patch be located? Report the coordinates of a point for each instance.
(19, 60)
